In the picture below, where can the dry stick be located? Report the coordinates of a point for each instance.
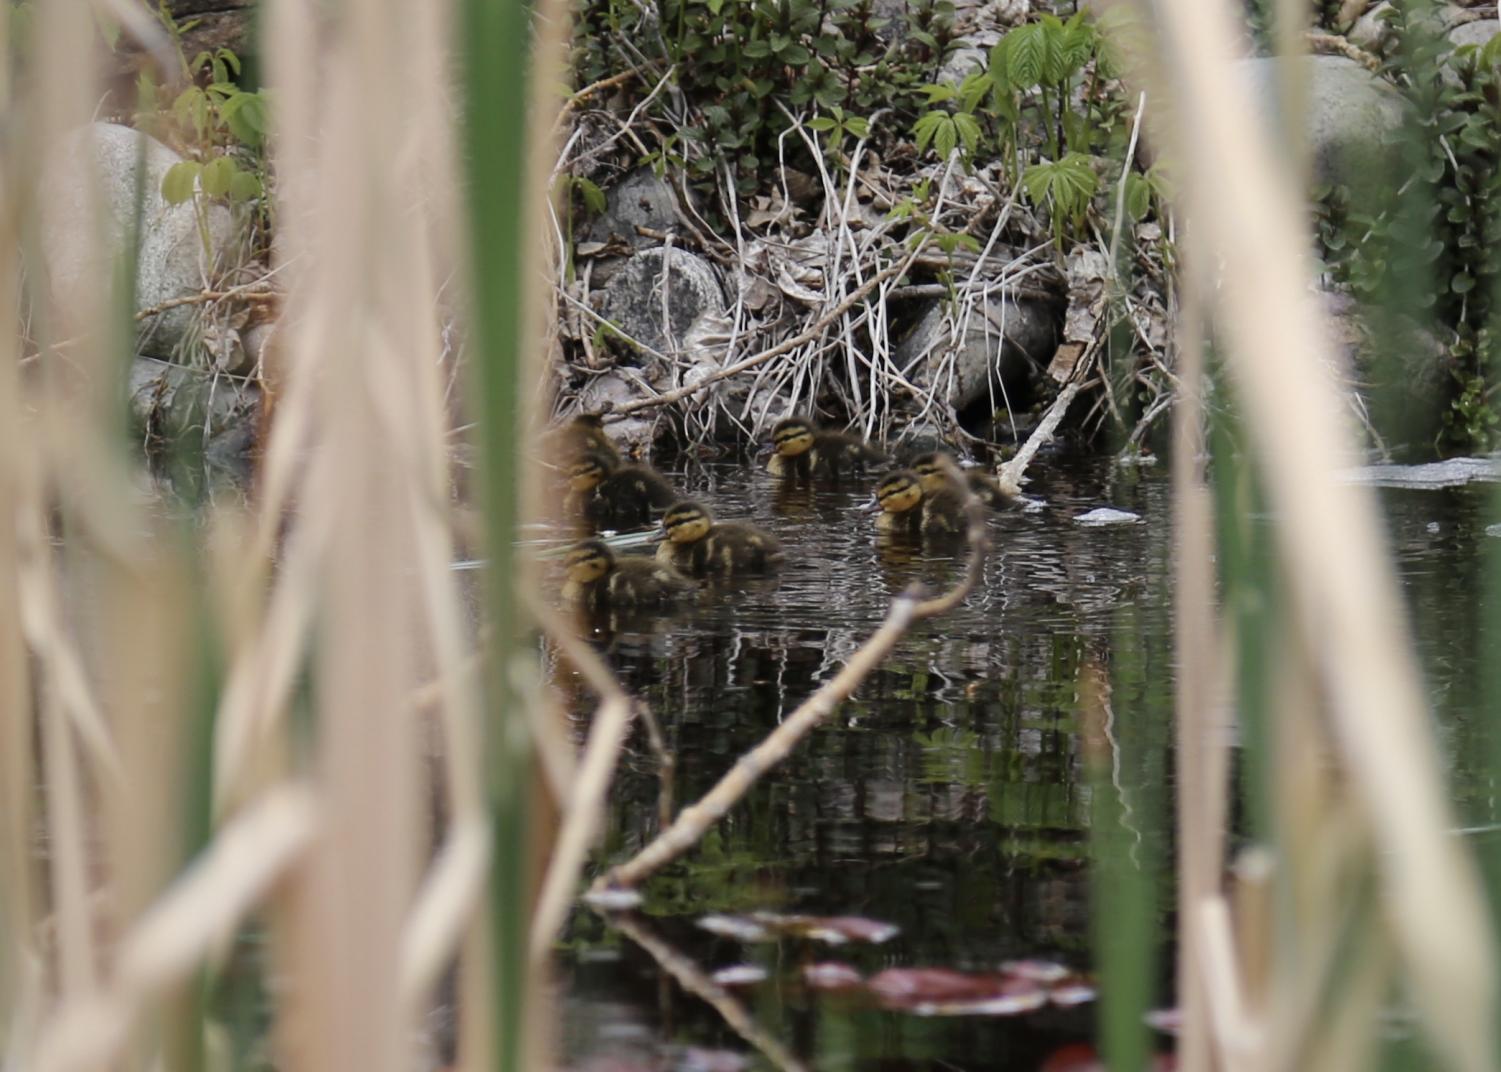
(249, 293)
(693, 979)
(1345, 595)
(586, 805)
(854, 297)
(694, 821)
(187, 922)
(1201, 763)
(1009, 475)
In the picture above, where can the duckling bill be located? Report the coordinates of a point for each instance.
(597, 580)
(702, 547)
(907, 509)
(609, 495)
(801, 449)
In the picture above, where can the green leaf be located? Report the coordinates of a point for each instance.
(1026, 54)
(969, 131)
(243, 186)
(756, 50)
(857, 126)
(927, 127)
(1138, 195)
(215, 176)
(795, 55)
(593, 197)
(945, 138)
(822, 123)
(178, 182)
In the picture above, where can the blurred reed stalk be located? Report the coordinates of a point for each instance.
(304, 790)
(1364, 861)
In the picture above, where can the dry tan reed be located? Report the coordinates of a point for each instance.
(1245, 217)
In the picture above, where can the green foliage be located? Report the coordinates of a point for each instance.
(1428, 252)
(1065, 187)
(741, 70)
(836, 126)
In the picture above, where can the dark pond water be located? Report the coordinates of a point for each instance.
(951, 796)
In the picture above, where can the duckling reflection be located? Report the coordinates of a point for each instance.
(931, 470)
(597, 580)
(605, 494)
(698, 545)
(801, 450)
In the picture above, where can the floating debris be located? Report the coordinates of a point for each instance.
(1450, 473)
(942, 992)
(1101, 516)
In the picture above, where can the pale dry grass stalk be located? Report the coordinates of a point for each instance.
(1200, 750)
(695, 820)
(187, 924)
(1246, 217)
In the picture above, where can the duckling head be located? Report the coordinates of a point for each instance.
(792, 437)
(932, 469)
(899, 492)
(588, 469)
(686, 522)
(588, 561)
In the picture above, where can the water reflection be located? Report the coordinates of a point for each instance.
(948, 796)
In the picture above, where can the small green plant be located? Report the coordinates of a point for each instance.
(213, 121)
(1065, 187)
(836, 126)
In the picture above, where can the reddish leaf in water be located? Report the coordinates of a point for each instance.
(832, 975)
(1075, 1057)
(942, 992)
(1072, 990)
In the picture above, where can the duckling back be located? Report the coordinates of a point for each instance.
(643, 582)
(734, 547)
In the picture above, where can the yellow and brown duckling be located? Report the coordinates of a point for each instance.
(702, 547)
(597, 580)
(801, 449)
(931, 470)
(908, 509)
(609, 495)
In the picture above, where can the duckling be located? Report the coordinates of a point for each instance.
(698, 545)
(609, 495)
(583, 432)
(909, 510)
(597, 580)
(801, 449)
(930, 470)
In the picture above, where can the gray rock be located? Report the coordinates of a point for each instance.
(999, 344)
(173, 402)
(639, 200)
(631, 434)
(1352, 114)
(681, 283)
(1474, 33)
(173, 262)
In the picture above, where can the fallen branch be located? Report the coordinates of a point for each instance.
(251, 293)
(696, 820)
(1009, 475)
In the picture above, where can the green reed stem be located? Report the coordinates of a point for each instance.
(496, 49)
